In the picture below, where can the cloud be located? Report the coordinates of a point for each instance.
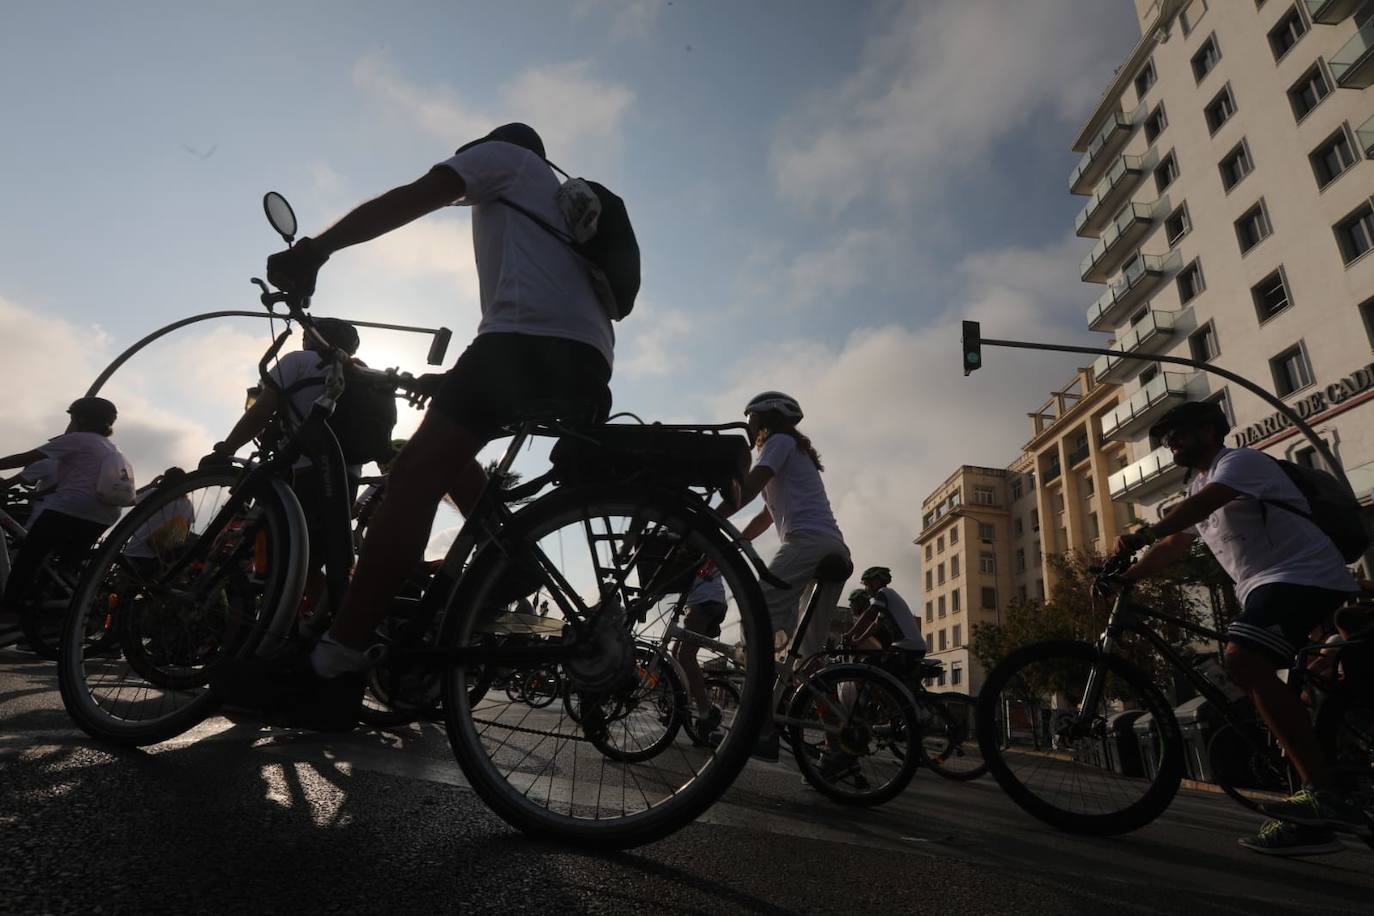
(654, 349)
(936, 87)
(889, 411)
(790, 281)
(579, 115)
(628, 18)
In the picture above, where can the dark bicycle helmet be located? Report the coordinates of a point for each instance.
(516, 133)
(881, 573)
(95, 411)
(1192, 415)
(782, 404)
(338, 333)
(859, 596)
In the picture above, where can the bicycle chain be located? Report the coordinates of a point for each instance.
(523, 730)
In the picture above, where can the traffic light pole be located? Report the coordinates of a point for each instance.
(1291, 415)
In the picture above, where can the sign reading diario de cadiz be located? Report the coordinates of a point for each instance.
(1357, 382)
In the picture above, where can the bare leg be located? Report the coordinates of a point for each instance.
(686, 656)
(1282, 711)
(439, 458)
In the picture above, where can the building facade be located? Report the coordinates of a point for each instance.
(1228, 193)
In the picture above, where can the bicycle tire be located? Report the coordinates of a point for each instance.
(670, 721)
(953, 736)
(98, 718)
(905, 749)
(1167, 776)
(581, 818)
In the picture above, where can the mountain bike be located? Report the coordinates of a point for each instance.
(1049, 715)
(235, 593)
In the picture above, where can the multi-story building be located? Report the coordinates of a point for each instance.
(1228, 191)
(985, 532)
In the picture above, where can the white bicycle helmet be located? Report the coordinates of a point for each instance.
(776, 401)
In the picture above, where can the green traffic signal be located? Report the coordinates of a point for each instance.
(973, 346)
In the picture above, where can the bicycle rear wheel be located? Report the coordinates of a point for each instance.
(947, 734)
(547, 771)
(1054, 761)
(174, 620)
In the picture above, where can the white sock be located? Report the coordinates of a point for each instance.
(331, 658)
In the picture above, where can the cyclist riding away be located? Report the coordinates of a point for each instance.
(788, 474)
(888, 619)
(1289, 578)
(543, 336)
(706, 609)
(93, 480)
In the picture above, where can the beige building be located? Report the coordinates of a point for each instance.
(1228, 194)
(985, 532)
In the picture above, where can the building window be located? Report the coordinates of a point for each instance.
(940, 605)
(1145, 79)
(940, 679)
(987, 563)
(1021, 593)
(1253, 227)
(958, 632)
(1147, 375)
(1236, 165)
(1166, 172)
(1270, 295)
(1286, 32)
(930, 581)
(1020, 560)
(1035, 554)
(1035, 520)
(1355, 233)
(1291, 370)
(940, 544)
(1190, 16)
(1307, 457)
(954, 601)
(985, 496)
(1220, 109)
(1040, 588)
(1016, 488)
(1202, 343)
(956, 671)
(954, 535)
(1307, 93)
(1018, 527)
(985, 531)
(1367, 312)
(940, 574)
(1223, 400)
(954, 567)
(1155, 123)
(1333, 157)
(930, 611)
(929, 552)
(1206, 58)
(1177, 224)
(943, 644)
(1190, 283)
(990, 599)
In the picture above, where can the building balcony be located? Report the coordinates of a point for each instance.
(1353, 64)
(1112, 191)
(1145, 336)
(1118, 240)
(1151, 402)
(1051, 473)
(1147, 477)
(1364, 135)
(1098, 157)
(1078, 455)
(1330, 12)
(1140, 277)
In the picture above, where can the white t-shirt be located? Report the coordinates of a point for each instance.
(165, 531)
(896, 609)
(42, 475)
(530, 281)
(711, 587)
(795, 495)
(293, 368)
(1259, 545)
(79, 457)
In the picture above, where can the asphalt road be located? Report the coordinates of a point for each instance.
(233, 818)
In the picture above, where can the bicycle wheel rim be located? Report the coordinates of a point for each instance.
(154, 686)
(555, 779)
(1056, 764)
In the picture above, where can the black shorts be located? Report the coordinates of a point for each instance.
(1279, 616)
(706, 618)
(500, 378)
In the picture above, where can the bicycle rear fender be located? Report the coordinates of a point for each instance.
(293, 584)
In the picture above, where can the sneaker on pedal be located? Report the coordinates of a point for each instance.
(706, 728)
(1311, 807)
(766, 748)
(1281, 838)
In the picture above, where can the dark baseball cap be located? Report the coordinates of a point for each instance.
(515, 132)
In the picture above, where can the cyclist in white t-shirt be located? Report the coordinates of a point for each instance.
(706, 609)
(1289, 578)
(543, 336)
(787, 473)
(888, 619)
(73, 516)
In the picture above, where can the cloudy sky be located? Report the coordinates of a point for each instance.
(821, 190)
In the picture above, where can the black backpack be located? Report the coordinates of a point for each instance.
(362, 421)
(610, 253)
(1334, 509)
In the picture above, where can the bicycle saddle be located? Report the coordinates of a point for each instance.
(573, 412)
(835, 567)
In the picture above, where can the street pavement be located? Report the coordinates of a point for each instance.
(234, 818)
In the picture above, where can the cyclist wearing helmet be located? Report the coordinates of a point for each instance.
(705, 603)
(888, 619)
(74, 513)
(787, 473)
(1289, 578)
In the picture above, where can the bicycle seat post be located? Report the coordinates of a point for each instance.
(834, 569)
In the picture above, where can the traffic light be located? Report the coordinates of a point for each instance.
(973, 347)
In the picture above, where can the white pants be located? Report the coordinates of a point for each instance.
(795, 563)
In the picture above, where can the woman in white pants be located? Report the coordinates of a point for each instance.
(788, 474)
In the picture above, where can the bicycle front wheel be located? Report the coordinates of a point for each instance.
(185, 581)
(1055, 759)
(607, 766)
(947, 735)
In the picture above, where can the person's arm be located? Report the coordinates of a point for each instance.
(758, 524)
(1165, 553)
(748, 491)
(864, 626)
(1183, 517)
(439, 187)
(21, 459)
(251, 423)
